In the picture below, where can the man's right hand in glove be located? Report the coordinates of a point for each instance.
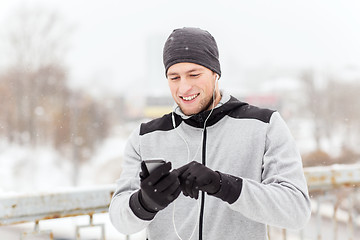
(156, 192)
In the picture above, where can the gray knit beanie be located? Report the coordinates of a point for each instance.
(192, 45)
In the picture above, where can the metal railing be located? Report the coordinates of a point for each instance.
(335, 197)
(334, 191)
(21, 208)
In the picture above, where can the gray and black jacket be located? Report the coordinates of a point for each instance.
(252, 148)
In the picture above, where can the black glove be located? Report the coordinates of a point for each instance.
(160, 188)
(195, 176)
(157, 191)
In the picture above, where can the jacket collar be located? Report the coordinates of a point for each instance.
(226, 105)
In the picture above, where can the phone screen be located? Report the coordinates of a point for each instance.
(153, 164)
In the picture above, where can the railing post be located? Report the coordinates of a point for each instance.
(335, 225)
(36, 232)
(351, 220)
(91, 224)
(284, 234)
(302, 234)
(318, 220)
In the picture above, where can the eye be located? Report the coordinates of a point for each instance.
(174, 78)
(194, 75)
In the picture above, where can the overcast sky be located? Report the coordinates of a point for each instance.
(116, 45)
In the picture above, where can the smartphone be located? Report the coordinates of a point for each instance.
(153, 164)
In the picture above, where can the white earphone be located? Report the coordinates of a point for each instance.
(173, 119)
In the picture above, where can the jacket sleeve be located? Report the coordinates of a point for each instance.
(121, 215)
(281, 198)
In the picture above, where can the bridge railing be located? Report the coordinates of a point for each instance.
(335, 196)
(20, 208)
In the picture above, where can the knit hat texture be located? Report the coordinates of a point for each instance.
(192, 45)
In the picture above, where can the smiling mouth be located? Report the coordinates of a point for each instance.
(189, 98)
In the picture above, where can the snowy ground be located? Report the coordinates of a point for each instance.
(26, 169)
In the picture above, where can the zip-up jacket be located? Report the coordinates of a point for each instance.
(262, 177)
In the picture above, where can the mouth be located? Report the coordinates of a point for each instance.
(190, 97)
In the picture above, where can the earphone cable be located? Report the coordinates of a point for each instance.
(188, 160)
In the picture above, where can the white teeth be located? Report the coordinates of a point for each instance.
(190, 97)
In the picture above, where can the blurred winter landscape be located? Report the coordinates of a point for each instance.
(76, 77)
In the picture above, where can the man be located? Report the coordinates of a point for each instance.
(236, 165)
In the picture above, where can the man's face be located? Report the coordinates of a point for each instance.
(192, 87)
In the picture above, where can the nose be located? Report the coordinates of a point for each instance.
(185, 86)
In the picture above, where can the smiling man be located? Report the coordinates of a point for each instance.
(192, 87)
(236, 165)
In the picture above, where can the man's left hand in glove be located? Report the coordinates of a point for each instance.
(195, 176)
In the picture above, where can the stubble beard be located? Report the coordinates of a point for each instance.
(204, 105)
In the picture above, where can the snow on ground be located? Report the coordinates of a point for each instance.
(105, 165)
(28, 169)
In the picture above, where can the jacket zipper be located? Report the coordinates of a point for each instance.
(202, 193)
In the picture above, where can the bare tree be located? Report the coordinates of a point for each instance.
(334, 110)
(36, 48)
(37, 105)
(344, 109)
(313, 105)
